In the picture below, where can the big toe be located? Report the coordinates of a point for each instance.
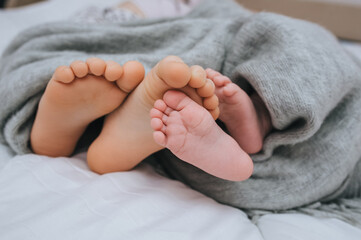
(174, 72)
(177, 100)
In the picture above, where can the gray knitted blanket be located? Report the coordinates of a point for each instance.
(310, 85)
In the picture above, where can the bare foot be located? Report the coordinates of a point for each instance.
(76, 96)
(246, 118)
(189, 131)
(127, 137)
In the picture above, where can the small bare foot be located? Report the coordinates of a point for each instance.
(127, 137)
(190, 132)
(77, 95)
(246, 118)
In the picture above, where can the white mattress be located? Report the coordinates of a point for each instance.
(60, 198)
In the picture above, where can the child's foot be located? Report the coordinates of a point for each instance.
(127, 137)
(246, 118)
(76, 96)
(190, 132)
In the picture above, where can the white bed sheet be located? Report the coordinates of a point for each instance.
(59, 198)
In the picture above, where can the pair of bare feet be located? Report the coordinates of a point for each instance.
(173, 106)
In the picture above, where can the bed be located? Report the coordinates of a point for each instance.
(60, 198)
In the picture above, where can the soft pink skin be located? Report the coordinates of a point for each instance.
(127, 137)
(189, 131)
(246, 117)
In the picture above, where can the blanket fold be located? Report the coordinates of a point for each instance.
(310, 85)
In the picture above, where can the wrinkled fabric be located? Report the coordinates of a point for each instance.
(309, 84)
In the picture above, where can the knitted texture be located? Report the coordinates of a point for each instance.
(310, 85)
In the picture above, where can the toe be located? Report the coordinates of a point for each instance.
(207, 90)
(80, 68)
(155, 113)
(172, 58)
(230, 89)
(217, 82)
(160, 105)
(165, 118)
(156, 124)
(176, 100)
(160, 138)
(212, 73)
(113, 71)
(226, 80)
(133, 74)
(174, 73)
(96, 66)
(167, 111)
(198, 77)
(211, 103)
(220, 81)
(215, 113)
(192, 93)
(64, 74)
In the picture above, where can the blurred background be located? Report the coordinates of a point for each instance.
(342, 17)
(16, 3)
